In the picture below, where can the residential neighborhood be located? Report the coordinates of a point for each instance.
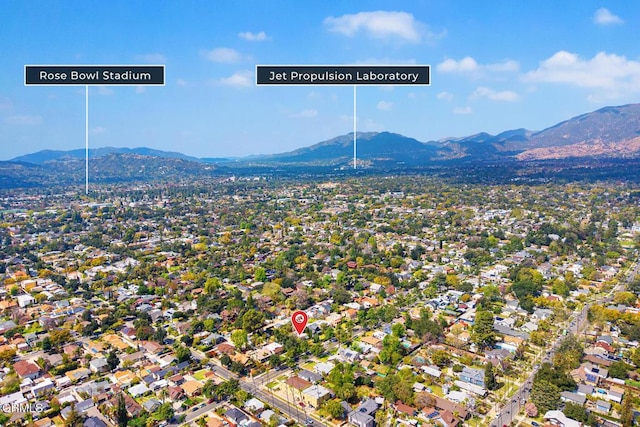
(428, 304)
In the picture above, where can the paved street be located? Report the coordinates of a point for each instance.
(252, 386)
(576, 325)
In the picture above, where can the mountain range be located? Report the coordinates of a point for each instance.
(607, 133)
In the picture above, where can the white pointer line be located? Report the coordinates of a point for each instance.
(86, 139)
(354, 126)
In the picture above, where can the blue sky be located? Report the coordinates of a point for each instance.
(496, 65)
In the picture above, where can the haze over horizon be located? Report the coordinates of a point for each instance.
(494, 67)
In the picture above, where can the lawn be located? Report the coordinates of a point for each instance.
(200, 375)
(437, 390)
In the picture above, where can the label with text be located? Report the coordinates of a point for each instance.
(332, 75)
(87, 75)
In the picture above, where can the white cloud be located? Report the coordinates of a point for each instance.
(466, 64)
(306, 114)
(222, 54)
(384, 105)
(181, 82)
(239, 79)
(504, 66)
(603, 16)
(616, 75)
(153, 58)
(254, 37)
(381, 25)
(485, 92)
(462, 110)
(24, 119)
(469, 66)
(104, 91)
(97, 130)
(140, 89)
(445, 96)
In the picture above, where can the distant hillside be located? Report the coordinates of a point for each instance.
(110, 168)
(608, 133)
(45, 156)
(372, 147)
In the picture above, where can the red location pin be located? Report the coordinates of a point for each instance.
(299, 320)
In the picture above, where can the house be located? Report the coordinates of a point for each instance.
(557, 418)
(235, 416)
(405, 409)
(133, 408)
(125, 377)
(175, 393)
(297, 383)
(25, 300)
(363, 416)
(614, 394)
(593, 374)
(151, 404)
(192, 388)
(323, 368)
(603, 407)
(42, 388)
(448, 419)
(138, 390)
(26, 369)
(254, 405)
(433, 371)
(472, 376)
(584, 389)
(567, 396)
(475, 389)
(78, 374)
(348, 355)
(99, 365)
(312, 377)
(94, 422)
(316, 395)
(541, 314)
(497, 357)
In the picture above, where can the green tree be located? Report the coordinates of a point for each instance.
(239, 338)
(569, 353)
(46, 344)
(441, 357)
(626, 411)
(635, 357)
(482, 332)
(575, 411)
(334, 408)
(183, 354)
(619, 369)
(74, 418)
(260, 275)
(252, 320)
(545, 395)
(398, 330)
(113, 360)
(122, 417)
(489, 377)
(164, 412)
(555, 375)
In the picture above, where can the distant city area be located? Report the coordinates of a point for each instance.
(430, 301)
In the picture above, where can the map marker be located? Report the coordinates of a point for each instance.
(299, 320)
